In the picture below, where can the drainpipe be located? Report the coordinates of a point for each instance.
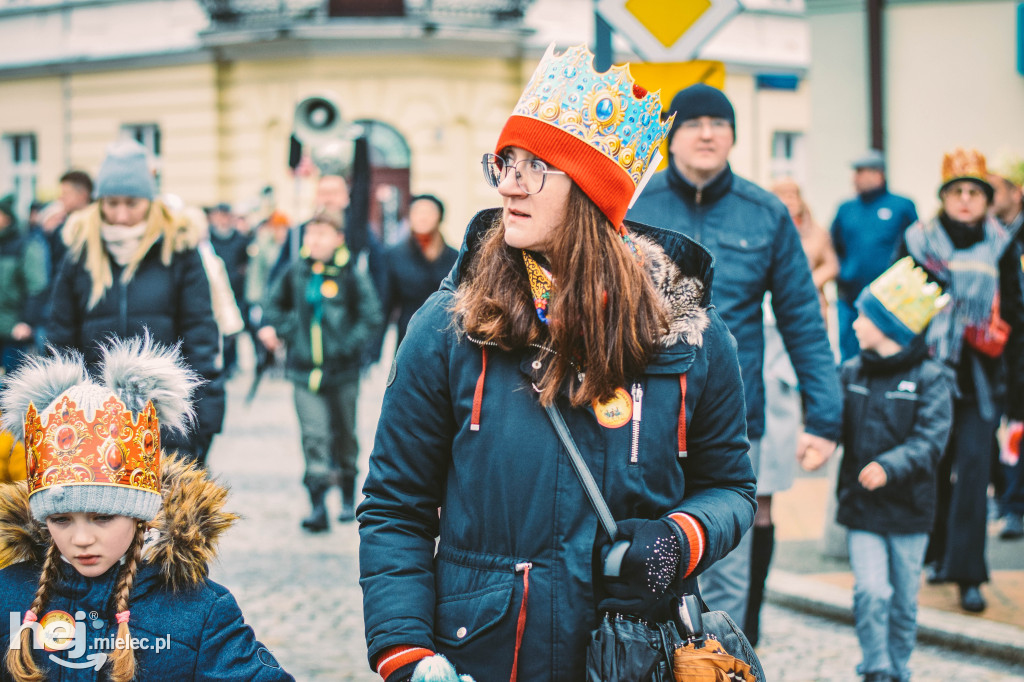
(875, 9)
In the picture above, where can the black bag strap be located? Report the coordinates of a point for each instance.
(590, 487)
(613, 560)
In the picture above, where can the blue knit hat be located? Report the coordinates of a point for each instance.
(901, 301)
(700, 100)
(125, 172)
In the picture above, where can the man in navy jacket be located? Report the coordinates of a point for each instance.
(866, 233)
(757, 250)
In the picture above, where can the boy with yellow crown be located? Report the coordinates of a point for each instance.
(106, 547)
(897, 413)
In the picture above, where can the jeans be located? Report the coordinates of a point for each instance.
(887, 574)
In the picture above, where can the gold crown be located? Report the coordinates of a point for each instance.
(964, 164)
(608, 111)
(110, 448)
(905, 292)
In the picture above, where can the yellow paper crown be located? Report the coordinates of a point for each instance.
(962, 165)
(905, 292)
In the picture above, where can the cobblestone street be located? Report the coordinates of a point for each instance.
(300, 592)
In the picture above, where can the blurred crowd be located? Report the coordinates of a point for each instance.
(115, 257)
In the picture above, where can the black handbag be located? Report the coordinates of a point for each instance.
(624, 648)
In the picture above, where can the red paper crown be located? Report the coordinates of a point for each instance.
(113, 448)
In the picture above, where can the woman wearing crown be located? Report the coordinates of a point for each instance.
(554, 300)
(960, 248)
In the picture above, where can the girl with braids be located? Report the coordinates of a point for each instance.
(556, 300)
(105, 547)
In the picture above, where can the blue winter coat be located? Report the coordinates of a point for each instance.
(201, 630)
(757, 250)
(866, 232)
(508, 496)
(173, 605)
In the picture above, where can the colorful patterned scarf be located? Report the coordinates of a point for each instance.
(540, 285)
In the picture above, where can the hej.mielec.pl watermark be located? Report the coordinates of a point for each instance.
(58, 631)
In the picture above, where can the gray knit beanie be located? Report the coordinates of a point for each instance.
(125, 172)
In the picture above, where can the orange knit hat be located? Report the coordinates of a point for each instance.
(602, 129)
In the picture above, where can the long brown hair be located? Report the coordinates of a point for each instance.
(605, 317)
(20, 662)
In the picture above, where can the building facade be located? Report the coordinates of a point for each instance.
(950, 79)
(211, 87)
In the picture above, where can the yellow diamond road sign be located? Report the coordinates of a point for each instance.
(667, 30)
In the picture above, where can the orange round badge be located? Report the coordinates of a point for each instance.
(616, 411)
(329, 288)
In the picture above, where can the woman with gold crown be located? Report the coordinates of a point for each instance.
(477, 540)
(960, 248)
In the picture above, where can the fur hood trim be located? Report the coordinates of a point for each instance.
(681, 295)
(182, 540)
(83, 237)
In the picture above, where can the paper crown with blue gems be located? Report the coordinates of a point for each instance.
(901, 301)
(602, 129)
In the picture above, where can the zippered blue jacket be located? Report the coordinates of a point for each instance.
(474, 442)
(757, 250)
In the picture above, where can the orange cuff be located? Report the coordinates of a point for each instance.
(694, 533)
(395, 657)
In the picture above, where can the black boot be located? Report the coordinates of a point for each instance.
(761, 549)
(316, 522)
(348, 500)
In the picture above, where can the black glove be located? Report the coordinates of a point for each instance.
(649, 566)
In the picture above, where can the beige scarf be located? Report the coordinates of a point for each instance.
(122, 241)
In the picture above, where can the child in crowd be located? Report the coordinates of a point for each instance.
(897, 414)
(325, 310)
(106, 547)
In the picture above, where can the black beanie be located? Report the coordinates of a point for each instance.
(701, 100)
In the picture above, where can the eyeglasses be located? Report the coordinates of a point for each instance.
(529, 175)
(970, 190)
(717, 124)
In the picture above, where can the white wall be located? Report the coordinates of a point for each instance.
(950, 80)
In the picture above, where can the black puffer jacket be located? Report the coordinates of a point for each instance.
(171, 300)
(897, 411)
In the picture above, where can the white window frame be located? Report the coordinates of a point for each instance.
(19, 169)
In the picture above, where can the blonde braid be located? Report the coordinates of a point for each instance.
(20, 662)
(123, 658)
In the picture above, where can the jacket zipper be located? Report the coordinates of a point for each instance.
(579, 375)
(638, 397)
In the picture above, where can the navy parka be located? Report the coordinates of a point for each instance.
(757, 249)
(507, 494)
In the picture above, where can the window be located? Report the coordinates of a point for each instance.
(148, 135)
(18, 170)
(788, 156)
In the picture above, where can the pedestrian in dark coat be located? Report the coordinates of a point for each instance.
(757, 250)
(897, 413)
(1008, 208)
(22, 284)
(417, 265)
(132, 266)
(325, 310)
(866, 232)
(111, 537)
(555, 300)
(960, 248)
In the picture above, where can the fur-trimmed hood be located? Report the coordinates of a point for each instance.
(181, 542)
(683, 296)
(84, 240)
